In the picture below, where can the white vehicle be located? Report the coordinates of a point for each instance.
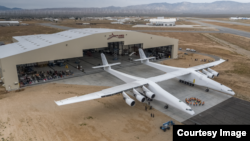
(193, 50)
(187, 49)
(190, 76)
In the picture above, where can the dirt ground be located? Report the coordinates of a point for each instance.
(32, 115)
(7, 33)
(227, 19)
(240, 41)
(235, 73)
(233, 26)
(106, 24)
(182, 22)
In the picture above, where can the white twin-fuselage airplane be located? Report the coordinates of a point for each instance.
(149, 87)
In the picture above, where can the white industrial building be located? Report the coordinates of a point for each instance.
(239, 18)
(162, 22)
(117, 22)
(9, 23)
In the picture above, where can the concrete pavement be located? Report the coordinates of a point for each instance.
(225, 29)
(228, 22)
(231, 111)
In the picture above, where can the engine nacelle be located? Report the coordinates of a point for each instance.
(128, 100)
(149, 94)
(138, 96)
(210, 75)
(202, 74)
(213, 72)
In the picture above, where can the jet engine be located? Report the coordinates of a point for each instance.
(128, 100)
(210, 75)
(202, 73)
(213, 72)
(148, 93)
(138, 96)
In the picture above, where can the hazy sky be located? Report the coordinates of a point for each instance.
(31, 4)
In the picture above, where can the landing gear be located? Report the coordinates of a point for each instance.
(186, 82)
(207, 90)
(166, 107)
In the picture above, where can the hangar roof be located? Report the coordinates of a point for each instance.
(32, 42)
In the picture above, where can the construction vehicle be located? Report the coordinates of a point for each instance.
(166, 125)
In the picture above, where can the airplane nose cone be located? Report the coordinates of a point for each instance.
(192, 113)
(232, 93)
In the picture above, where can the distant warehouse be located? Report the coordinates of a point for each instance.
(46, 48)
(239, 18)
(160, 21)
(9, 23)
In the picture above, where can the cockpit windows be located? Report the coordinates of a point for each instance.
(230, 90)
(189, 109)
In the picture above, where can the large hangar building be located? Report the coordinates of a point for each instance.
(72, 44)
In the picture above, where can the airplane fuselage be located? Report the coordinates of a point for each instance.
(202, 80)
(164, 96)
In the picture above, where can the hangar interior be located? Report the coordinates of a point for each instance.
(44, 70)
(40, 72)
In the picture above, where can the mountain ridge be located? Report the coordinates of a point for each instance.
(217, 7)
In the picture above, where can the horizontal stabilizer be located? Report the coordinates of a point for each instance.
(107, 65)
(144, 59)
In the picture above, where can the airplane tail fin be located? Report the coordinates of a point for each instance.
(143, 56)
(105, 63)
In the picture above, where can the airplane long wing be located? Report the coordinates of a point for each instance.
(104, 93)
(168, 69)
(169, 75)
(208, 65)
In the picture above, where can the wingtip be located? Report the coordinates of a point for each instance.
(57, 103)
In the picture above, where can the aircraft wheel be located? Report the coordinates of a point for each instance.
(160, 127)
(207, 90)
(179, 80)
(166, 107)
(164, 130)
